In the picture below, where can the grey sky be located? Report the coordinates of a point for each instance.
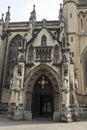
(20, 9)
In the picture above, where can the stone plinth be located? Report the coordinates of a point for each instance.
(56, 116)
(28, 115)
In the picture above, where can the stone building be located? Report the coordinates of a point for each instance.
(43, 65)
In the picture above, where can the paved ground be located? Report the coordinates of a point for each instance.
(37, 124)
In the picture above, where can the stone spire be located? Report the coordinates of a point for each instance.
(33, 16)
(61, 18)
(7, 18)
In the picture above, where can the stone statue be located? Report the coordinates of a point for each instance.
(76, 80)
(18, 84)
(11, 81)
(19, 70)
(65, 83)
(76, 84)
(65, 80)
(61, 36)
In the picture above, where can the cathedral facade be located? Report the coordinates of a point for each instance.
(43, 65)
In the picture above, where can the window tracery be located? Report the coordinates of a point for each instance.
(43, 40)
(13, 56)
(30, 54)
(56, 54)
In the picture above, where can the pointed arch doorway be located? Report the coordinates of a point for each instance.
(42, 98)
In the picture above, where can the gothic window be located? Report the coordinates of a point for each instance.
(70, 15)
(82, 20)
(13, 53)
(30, 54)
(71, 39)
(81, 24)
(12, 56)
(43, 40)
(13, 49)
(56, 54)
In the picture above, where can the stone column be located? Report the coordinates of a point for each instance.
(17, 92)
(12, 100)
(28, 112)
(65, 103)
(21, 97)
(56, 114)
(67, 106)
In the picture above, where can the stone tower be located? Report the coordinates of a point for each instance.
(71, 26)
(76, 31)
(70, 15)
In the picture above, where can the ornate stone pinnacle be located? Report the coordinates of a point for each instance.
(8, 8)
(34, 7)
(61, 6)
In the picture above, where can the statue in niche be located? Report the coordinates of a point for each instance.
(61, 36)
(76, 84)
(65, 80)
(61, 32)
(76, 80)
(18, 83)
(11, 82)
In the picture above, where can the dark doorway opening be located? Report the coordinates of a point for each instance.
(42, 98)
(46, 106)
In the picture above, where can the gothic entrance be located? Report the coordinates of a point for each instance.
(42, 98)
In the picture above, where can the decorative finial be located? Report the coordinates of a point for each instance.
(34, 7)
(8, 8)
(61, 7)
(33, 16)
(7, 18)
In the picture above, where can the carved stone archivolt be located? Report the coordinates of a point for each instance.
(32, 76)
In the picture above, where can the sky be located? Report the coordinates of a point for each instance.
(20, 9)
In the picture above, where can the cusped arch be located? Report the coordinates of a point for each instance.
(36, 72)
